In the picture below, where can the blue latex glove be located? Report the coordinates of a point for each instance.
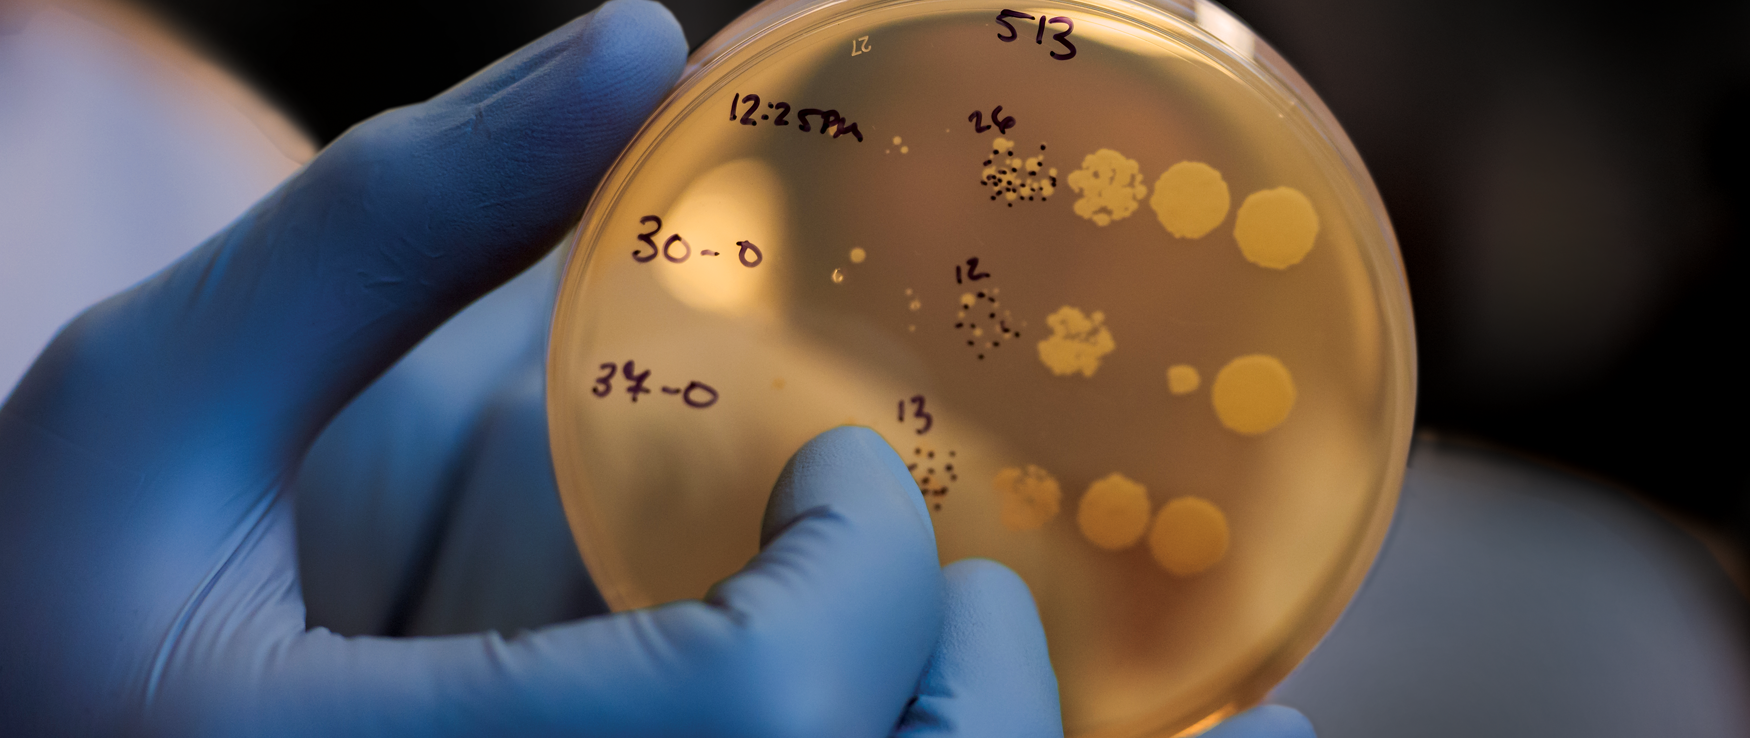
(147, 557)
(146, 553)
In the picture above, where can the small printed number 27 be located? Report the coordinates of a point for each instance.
(1039, 38)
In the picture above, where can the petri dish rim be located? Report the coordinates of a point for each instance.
(775, 25)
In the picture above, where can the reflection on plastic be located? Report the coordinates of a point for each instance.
(739, 201)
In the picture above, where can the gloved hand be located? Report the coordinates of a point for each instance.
(146, 553)
(147, 559)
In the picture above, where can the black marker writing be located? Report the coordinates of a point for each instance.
(1061, 37)
(830, 120)
(1002, 122)
(918, 412)
(696, 394)
(668, 250)
(972, 273)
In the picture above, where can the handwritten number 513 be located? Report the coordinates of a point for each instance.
(1039, 37)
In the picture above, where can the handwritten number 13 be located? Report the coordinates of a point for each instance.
(917, 412)
(1039, 38)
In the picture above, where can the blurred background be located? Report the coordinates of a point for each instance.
(1567, 180)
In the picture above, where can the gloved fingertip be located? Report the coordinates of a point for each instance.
(652, 24)
(989, 582)
(1264, 721)
(889, 461)
(816, 475)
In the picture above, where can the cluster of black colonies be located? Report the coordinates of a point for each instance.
(969, 322)
(932, 495)
(1003, 179)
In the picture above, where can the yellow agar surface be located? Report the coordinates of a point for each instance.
(1110, 185)
(1030, 497)
(667, 430)
(1190, 199)
(1183, 379)
(1190, 535)
(1253, 394)
(1114, 512)
(1276, 228)
(1077, 344)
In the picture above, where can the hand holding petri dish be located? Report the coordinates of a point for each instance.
(1107, 276)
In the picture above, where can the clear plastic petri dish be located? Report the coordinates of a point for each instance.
(1107, 275)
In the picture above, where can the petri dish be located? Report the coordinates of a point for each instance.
(1107, 275)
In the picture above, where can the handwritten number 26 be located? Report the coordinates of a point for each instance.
(1002, 122)
(1039, 38)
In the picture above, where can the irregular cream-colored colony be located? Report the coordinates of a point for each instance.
(1030, 496)
(1077, 344)
(1190, 199)
(1110, 185)
(1189, 536)
(1253, 394)
(1183, 379)
(1114, 512)
(1275, 228)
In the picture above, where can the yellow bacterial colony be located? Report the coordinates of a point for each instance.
(1189, 536)
(1030, 497)
(1113, 512)
(1077, 342)
(1253, 394)
(1190, 199)
(1183, 379)
(1275, 228)
(1110, 185)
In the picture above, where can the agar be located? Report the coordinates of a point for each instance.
(789, 244)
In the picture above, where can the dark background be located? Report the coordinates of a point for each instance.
(1567, 180)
